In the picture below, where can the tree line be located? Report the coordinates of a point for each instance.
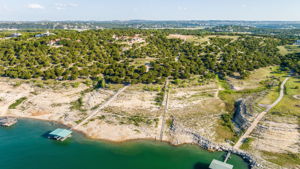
(98, 54)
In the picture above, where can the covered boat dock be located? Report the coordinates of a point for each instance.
(216, 164)
(7, 121)
(60, 134)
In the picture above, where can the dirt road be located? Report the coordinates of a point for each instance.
(260, 116)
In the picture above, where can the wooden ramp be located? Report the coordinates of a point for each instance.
(95, 112)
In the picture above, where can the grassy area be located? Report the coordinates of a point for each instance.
(207, 38)
(142, 61)
(138, 120)
(223, 83)
(225, 133)
(114, 86)
(77, 105)
(169, 122)
(225, 129)
(257, 78)
(288, 49)
(272, 76)
(160, 98)
(18, 102)
(283, 159)
(247, 144)
(17, 84)
(289, 105)
(200, 39)
(272, 95)
(156, 88)
(230, 96)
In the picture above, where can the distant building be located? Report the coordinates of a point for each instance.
(15, 35)
(55, 43)
(44, 34)
(297, 42)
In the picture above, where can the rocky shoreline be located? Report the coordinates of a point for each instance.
(211, 146)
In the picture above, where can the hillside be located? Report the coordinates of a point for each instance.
(131, 56)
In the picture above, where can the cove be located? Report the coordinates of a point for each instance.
(23, 146)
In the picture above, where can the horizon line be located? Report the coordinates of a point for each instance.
(130, 20)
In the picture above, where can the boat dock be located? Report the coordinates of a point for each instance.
(8, 121)
(216, 164)
(60, 134)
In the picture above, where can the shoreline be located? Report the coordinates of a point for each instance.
(106, 140)
(251, 162)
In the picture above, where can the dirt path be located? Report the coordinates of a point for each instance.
(95, 112)
(260, 116)
(217, 92)
(166, 106)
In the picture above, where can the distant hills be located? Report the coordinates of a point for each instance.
(144, 24)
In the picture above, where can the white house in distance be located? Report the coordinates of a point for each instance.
(15, 35)
(44, 34)
(297, 42)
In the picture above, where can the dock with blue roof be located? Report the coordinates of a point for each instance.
(60, 134)
(215, 164)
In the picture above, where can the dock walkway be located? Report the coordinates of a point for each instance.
(166, 107)
(95, 112)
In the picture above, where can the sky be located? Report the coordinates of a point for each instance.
(105, 10)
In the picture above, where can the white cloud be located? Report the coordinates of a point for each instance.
(181, 8)
(35, 6)
(61, 6)
(244, 5)
(4, 7)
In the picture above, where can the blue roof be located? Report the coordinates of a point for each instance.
(215, 164)
(61, 132)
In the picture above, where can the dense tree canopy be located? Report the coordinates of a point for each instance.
(292, 61)
(131, 56)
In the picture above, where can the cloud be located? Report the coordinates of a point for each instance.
(4, 7)
(244, 5)
(181, 8)
(62, 6)
(35, 6)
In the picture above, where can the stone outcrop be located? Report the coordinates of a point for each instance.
(243, 114)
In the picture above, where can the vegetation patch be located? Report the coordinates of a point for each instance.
(289, 106)
(247, 143)
(138, 120)
(77, 105)
(160, 98)
(18, 102)
(225, 134)
(283, 159)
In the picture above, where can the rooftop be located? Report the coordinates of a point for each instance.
(215, 164)
(61, 132)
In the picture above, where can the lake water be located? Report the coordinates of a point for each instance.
(23, 147)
